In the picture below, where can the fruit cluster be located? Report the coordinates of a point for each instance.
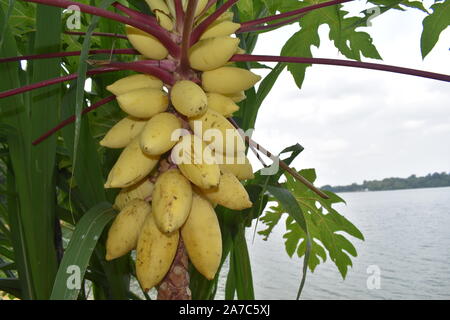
(181, 156)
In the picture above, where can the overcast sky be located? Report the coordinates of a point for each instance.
(358, 124)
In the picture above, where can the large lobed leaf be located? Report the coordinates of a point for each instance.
(433, 25)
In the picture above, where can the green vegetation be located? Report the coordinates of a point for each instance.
(433, 180)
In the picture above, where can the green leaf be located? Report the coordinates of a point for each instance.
(78, 253)
(11, 286)
(5, 22)
(433, 25)
(242, 271)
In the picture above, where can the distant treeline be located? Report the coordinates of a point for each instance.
(433, 180)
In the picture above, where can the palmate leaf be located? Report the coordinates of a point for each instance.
(326, 226)
(433, 25)
(343, 32)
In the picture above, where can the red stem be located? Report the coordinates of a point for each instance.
(207, 22)
(345, 63)
(72, 119)
(269, 26)
(67, 54)
(187, 30)
(153, 67)
(163, 37)
(49, 82)
(137, 15)
(291, 13)
(206, 8)
(179, 15)
(100, 34)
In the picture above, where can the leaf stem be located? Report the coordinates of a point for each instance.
(291, 13)
(158, 68)
(67, 54)
(162, 35)
(137, 15)
(49, 82)
(344, 63)
(187, 30)
(71, 119)
(269, 26)
(198, 31)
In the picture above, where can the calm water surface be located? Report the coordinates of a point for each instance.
(407, 237)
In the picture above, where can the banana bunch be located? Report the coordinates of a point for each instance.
(181, 155)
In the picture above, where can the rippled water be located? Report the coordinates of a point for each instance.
(407, 236)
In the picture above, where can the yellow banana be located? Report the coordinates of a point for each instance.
(143, 103)
(237, 96)
(121, 134)
(212, 53)
(131, 166)
(241, 168)
(158, 5)
(202, 237)
(171, 200)
(124, 232)
(196, 162)
(156, 137)
(133, 82)
(221, 104)
(142, 190)
(230, 193)
(146, 44)
(188, 98)
(214, 127)
(220, 29)
(154, 253)
(228, 80)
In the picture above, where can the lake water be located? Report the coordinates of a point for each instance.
(407, 238)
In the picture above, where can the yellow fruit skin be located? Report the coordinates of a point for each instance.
(197, 162)
(237, 96)
(156, 137)
(212, 53)
(164, 20)
(143, 103)
(228, 80)
(188, 98)
(221, 104)
(158, 5)
(121, 134)
(171, 200)
(146, 44)
(242, 171)
(221, 29)
(133, 82)
(131, 166)
(141, 190)
(214, 127)
(154, 253)
(202, 237)
(230, 193)
(124, 232)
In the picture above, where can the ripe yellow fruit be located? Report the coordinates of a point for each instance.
(154, 253)
(124, 232)
(157, 136)
(131, 166)
(164, 20)
(242, 171)
(212, 53)
(158, 5)
(221, 104)
(171, 200)
(146, 44)
(121, 134)
(237, 96)
(141, 190)
(188, 98)
(143, 103)
(202, 237)
(133, 82)
(196, 161)
(228, 80)
(220, 29)
(230, 193)
(214, 127)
